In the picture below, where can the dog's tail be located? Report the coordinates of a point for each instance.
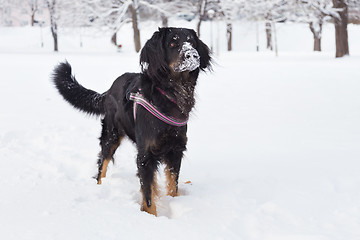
(81, 98)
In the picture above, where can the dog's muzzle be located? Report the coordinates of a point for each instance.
(189, 59)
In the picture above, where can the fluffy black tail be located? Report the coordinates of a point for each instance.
(81, 98)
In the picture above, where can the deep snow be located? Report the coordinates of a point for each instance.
(273, 148)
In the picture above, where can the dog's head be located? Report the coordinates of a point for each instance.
(174, 50)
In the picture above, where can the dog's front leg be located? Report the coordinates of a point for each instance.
(147, 166)
(173, 164)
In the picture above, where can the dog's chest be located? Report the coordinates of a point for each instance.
(171, 140)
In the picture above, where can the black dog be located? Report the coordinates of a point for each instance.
(151, 107)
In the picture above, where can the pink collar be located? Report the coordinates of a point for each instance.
(166, 95)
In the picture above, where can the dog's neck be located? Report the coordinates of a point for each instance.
(183, 85)
(179, 89)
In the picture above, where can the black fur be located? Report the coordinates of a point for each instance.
(81, 98)
(156, 141)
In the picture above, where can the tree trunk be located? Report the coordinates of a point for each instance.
(164, 20)
(53, 23)
(316, 29)
(269, 44)
(317, 44)
(134, 14)
(114, 39)
(32, 20)
(198, 27)
(202, 7)
(275, 38)
(229, 36)
(341, 34)
(34, 8)
(55, 36)
(257, 37)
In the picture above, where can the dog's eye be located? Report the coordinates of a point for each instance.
(174, 44)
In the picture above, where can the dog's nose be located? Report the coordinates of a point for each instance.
(189, 59)
(192, 55)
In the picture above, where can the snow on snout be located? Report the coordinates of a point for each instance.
(189, 60)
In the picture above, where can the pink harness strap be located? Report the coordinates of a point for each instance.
(139, 99)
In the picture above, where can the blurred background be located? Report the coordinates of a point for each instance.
(229, 21)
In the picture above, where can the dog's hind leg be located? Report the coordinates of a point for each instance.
(147, 166)
(110, 140)
(106, 156)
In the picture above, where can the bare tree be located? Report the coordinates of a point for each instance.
(341, 33)
(230, 9)
(134, 8)
(315, 13)
(33, 9)
(24, 7)
(54, 17)
(56, 9)
(316, 29)
(270, 11)
(115, 13)
(268, 31)
(202, 10)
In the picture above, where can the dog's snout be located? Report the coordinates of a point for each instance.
(192, 54)
(189, 58)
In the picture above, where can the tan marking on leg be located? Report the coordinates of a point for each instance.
(150, 210)
(104, 168)
(154, 196)
(106, 161)
(171, 186)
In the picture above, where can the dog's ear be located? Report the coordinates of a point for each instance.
(152, 56)
(204, 52)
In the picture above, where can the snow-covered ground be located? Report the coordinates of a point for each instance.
(273, 152)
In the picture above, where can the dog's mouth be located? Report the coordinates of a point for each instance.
(189, 59)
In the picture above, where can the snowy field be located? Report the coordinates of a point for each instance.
(273, 152)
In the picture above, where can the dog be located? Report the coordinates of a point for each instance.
(151, 107)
